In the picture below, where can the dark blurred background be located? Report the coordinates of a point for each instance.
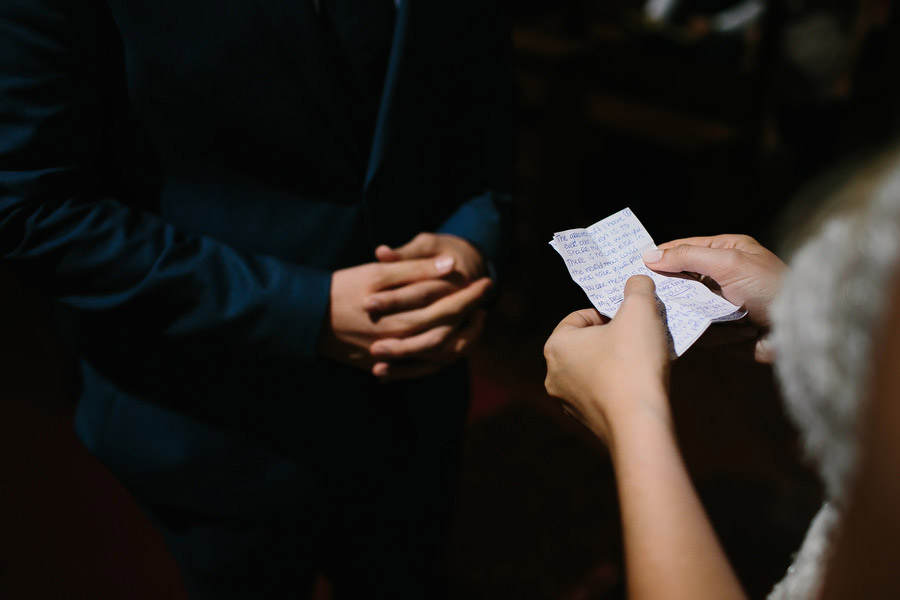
(703, 116)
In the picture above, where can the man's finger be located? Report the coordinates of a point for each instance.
(441, 343)
(393, 274)
(410, 347)
(446, 310)
(453, 349)
(421, 246)
(385, 253)
(386, 372)
(460, 344)
(408, 297)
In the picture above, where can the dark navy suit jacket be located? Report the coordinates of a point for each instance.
(182, 178)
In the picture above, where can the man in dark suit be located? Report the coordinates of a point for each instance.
(228, 202)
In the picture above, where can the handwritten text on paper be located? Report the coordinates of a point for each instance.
(602, 257)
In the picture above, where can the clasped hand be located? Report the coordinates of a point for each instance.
(411, 313)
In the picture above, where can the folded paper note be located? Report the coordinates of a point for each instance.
(602, 257)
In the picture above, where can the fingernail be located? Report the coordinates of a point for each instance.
(376, 350)
(443, 263)
(370, 304)
(652, 256)
(380, 370)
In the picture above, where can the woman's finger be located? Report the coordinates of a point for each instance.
(714, 262)
(639, 295)
(586, 317)
(726, 240)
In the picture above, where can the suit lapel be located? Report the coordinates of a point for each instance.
(300, 31)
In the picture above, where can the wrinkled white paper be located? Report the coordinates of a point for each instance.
(602, 257)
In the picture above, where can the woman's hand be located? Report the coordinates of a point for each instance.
(614, 375)
(748, 274)
(608, 372)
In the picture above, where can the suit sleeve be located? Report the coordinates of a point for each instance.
(94, 252)
(484, 218)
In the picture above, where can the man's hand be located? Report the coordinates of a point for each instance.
(400, 357)
(434, 349)
(748, 274)
(351, 329)
(468, 265)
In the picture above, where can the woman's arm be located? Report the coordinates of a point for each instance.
(671, 550)
(613, 376)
